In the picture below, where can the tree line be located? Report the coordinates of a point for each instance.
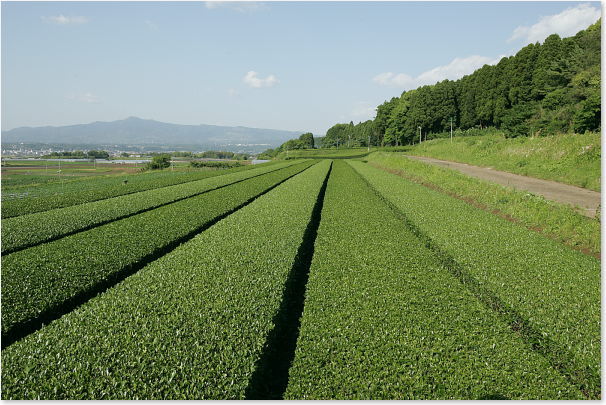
(305, 141)
(78, 154)
(547, 88)
(213, 154)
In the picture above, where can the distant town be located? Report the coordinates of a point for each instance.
(39, 150)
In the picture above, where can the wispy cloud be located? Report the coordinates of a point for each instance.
(251, 78)
(567, 23)
(65, 20)
(87, 97)
(240, 6)
(233, 92)
(362, 111)
(151, 25)
(456, 69)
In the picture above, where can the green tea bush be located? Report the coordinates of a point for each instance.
(29, 230)
(551, 288)
(38, 282)
(47, 197)
(191, 325)
(384, 319)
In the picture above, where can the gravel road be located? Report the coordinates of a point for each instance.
(586, 201)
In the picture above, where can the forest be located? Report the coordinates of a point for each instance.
(544, 89)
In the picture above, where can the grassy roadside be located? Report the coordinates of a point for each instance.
(567, 158)
(556, 221)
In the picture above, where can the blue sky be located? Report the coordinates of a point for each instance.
(299, 66)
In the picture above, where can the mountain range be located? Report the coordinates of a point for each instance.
(136, 131)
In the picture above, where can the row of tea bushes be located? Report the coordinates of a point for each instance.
(53, 277)
(191, 325)
(32, 229)
(548, 291)
(383, 319)
(51, 196)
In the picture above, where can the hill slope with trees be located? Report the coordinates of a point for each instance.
(547, 88)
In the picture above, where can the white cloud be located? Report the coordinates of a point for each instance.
(456, 69)
(151, 25)
(392, 79)
(240, 6)
(233, 92)
(565, 24)
(212, 4)
(87, 97)
(362, 111)
(63, 20)
(256, 82)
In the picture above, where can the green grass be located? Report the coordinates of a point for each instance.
(27, 173)
(27, 200)
(191, 325)
(341, 153)
(567, 158)
(43, 279)
(548, 291)
(384, 320)
(557, 221)
(33, 229)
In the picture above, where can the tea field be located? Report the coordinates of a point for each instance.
(297, 279)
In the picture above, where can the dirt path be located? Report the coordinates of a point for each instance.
(586, 201)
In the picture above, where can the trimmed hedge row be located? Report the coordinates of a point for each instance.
(33, 229)
(546, 287)
(43, 280)
(190, 325)
(384, 320)
(79, 192)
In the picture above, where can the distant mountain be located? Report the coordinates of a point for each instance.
(136, 131)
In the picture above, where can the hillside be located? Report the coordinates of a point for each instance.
(142, 131)
(571, 159)
(545, 89)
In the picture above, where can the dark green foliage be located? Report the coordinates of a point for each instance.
(79, 192)
(544, 89)
(515, 122)
(307, 139)
(39, 279)
(98, 154)
(28, 230)
(191, 325)
(554, 289)
(161, 161)
(214, 163)
(384, 319)
(268, 154)
(588, 91)
(211, 154)
(351, 136)
(78, 154)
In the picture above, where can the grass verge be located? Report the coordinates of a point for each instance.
(556, 221)
(568, 158)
